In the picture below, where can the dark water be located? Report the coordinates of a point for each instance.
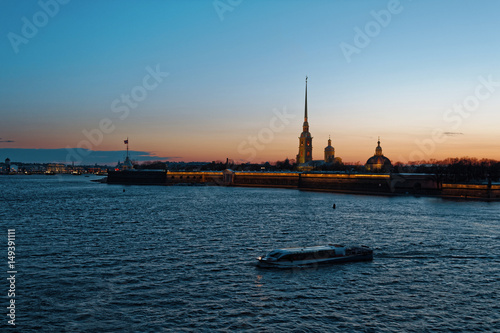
(92, 258)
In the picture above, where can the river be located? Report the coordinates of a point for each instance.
(93, 257)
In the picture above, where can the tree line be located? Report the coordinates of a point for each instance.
(456, 170)
(453, 170)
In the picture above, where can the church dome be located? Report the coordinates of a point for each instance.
(378, 162)
(381, 160)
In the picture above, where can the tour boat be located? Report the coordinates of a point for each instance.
(315, 255)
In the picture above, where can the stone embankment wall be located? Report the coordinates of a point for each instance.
(469, 191)
(381, 184)
(193, 178)
(137, 177)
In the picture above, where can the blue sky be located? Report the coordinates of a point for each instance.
(233, 64)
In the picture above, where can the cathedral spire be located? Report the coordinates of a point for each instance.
(305, 111)
(305, 139)
(305, 126)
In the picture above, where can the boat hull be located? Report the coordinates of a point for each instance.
(313, 263)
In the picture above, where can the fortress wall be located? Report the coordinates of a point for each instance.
(266, 179)
(385, 184)
(137, 177)
(348, 183)
(194, 177)
(471, 191)
(423, 184)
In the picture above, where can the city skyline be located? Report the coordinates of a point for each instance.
(210, 80)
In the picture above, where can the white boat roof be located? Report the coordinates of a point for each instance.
(308, 248)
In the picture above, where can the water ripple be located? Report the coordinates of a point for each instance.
(172, 259)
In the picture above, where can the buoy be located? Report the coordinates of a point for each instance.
(333, 206)
(123, 190)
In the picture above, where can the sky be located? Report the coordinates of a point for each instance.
(208, 80)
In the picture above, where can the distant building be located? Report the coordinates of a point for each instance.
(56, 168)
(378, 162)
(305, 140)
(127, 164)
(329, 152)
(7, 165)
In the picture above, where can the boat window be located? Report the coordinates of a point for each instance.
(322, 254)
(285, 257)
(325, 254)
(297, 256)
(274, 254)
(308, 256)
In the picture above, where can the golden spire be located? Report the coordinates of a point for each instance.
(305, 113)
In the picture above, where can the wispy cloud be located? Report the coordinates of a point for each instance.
(453, 133)
(4, 140)
(90, 157)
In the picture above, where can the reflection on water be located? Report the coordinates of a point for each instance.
(95, 258)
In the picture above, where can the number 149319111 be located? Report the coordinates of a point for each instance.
(11, 249)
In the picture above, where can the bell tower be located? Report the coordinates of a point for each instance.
(305, 139)
(329, 152)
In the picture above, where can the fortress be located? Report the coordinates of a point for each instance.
(379, 180)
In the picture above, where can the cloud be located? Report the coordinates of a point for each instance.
(77, 155)
(453, 133)
(8, 141)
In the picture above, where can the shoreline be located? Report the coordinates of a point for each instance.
(394, 184)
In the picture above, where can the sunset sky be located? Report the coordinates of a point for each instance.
(209, 80)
